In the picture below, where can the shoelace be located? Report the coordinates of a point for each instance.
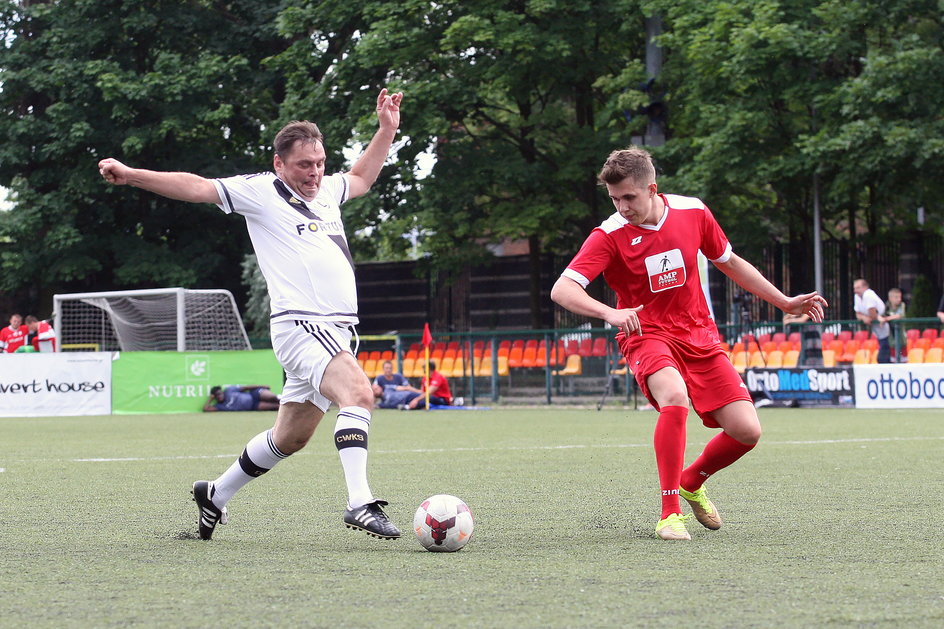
(678, 523)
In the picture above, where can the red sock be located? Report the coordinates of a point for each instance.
(720, 452)
(669, 441)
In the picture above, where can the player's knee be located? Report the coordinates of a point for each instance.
(675, 397)
(362, 396)
(748, 434)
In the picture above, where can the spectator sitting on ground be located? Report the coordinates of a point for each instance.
(388, 378)
(395, 396)
(41, 335)
(439, 393)
(241, 398)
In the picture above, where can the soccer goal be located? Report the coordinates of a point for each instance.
(174, 319)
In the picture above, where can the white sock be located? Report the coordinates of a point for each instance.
(350, 437)
(259, 456)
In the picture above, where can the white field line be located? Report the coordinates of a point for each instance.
(515, 449)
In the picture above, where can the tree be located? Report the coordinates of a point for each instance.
(519, 102)
(164, 85)
(766, 94)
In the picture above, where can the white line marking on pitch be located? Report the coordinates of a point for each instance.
(511, 448)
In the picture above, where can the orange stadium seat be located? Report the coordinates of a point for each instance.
(775, 359)
(791, 358)
(529, 356)
(829, 358)
(934, 355)
(573, 366)
(515, 357)
(916, 355)
(739, 360)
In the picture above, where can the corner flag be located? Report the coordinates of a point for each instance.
(427, 341)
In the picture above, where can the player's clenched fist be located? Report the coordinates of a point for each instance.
(113, 171)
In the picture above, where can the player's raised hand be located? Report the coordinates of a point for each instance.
(626, 320)
(388, 109)
(113, 171)
(811, 304)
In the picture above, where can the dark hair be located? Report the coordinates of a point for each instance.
(285, 139)
(215, 390)
(432, 366)
(30, 319)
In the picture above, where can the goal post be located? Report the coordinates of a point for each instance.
(164, 319)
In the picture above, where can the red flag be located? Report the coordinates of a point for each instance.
(427, 337)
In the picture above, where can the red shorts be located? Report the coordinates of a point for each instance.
(710, 377)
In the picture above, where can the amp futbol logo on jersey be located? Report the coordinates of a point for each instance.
(666, 270)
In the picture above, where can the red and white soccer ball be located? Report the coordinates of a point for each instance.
(443, 523)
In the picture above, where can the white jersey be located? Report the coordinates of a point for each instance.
(301, 246)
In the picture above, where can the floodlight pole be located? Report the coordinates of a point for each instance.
(817, 238)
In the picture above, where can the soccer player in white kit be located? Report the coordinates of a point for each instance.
(294, 220)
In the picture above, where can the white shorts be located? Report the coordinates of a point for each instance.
(304, 349)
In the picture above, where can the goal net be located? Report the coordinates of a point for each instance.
(174, 319)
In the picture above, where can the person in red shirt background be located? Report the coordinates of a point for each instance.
(13, 336)
(41, 335)
(439, 392)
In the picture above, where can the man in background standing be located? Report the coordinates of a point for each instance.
(869, 309)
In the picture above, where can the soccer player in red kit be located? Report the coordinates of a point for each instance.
(14, 335)
(647, 253)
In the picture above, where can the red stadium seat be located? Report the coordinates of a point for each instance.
(845, 335)
(586, 348)
(861, 335)
(599, 346)
(778, 337)
(826, 338)
(929, 333)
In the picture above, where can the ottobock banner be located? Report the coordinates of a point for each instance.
(47, 385)
(919, 385)
(180, 382)
(803, 386)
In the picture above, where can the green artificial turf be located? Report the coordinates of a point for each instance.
(833, 521)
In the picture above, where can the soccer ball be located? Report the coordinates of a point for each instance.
(443, 523)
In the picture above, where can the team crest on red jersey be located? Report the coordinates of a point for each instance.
(666, 270)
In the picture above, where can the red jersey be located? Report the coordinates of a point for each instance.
(45, 339)
(656, 266)
(438, 380)
(12, 338)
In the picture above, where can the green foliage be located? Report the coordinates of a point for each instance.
(163, 85)
(923, 298)
(257, 311)
(516, 101)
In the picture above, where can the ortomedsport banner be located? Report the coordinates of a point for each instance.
(45, 385)
(180, 382)
(919, 385)
(806, 386)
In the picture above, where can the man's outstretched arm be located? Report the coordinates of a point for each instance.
(176, 185)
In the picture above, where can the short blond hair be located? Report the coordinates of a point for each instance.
(633, 163)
